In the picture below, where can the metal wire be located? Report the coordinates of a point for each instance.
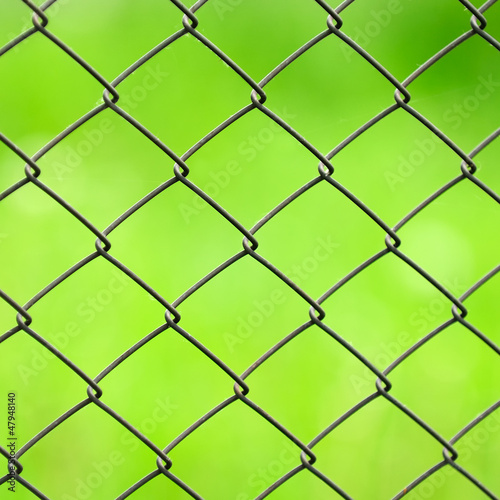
(111, 100)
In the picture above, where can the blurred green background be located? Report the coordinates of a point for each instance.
(105, 166)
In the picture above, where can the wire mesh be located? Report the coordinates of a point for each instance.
(164, 466)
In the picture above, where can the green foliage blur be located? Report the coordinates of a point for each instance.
(98, 313)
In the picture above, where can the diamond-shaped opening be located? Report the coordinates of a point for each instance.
(462, 112)
(243, 312)
(205, 241)
(447, 239)
(454, 362)
(327, 96)
(315, 239)
(375, 25)
(253, 165)
(395, 165)
(33, 220)
(102, 157)
(320, 379)
(251, 454)
(170, 391)
(60, 103)
(118, 36)
(381, 441)
(165, 94)
(98, 305)
(232, 27)
(384, 321)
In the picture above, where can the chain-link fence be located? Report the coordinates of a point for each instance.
(321, 346)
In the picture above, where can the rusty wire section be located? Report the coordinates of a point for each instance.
(466, 169)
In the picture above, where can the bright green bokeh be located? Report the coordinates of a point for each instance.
(106, 166)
